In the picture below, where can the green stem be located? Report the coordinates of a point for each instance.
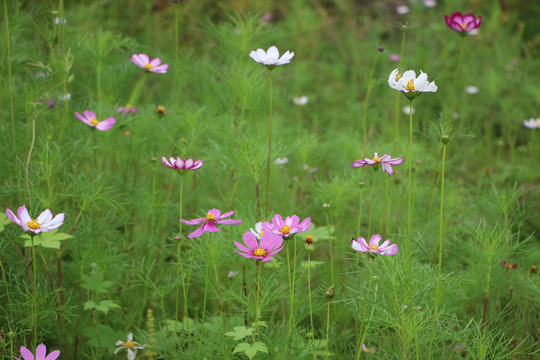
(331, 245)
(206, 277)
(366, 100)
(360, 208)
(398, 95)
(363, 338)
(10, 79)
(11, 318)
(34, 297)
(372, 201)
(327, 328)
(179, 267)
(456, 75)
(269, 147)
(310, 306)
(257, 308)
(292, 318)
(441, 230)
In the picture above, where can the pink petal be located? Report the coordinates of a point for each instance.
(197, 165)
(215, 212)
(179, 164)
(106, 124)
(155, 62)
(53, 356)
(358, 163)
(197, 232)
(26, 354)
(22, 214)
(210, 227)
(188, 163)
(387, 168)
(193, 222)
(396, 161)
(250, 240)
(11, 216)
(166, 162)
(242, 247)
(54, 223)
(375, 240)
(229, 222)
(227, 214)
(41, 352)
(83, 119)
(162, 69)
(89, 115)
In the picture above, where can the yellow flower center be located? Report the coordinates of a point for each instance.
(373, 247)
(161, 109)
(94, 122)
(128, 106)
(285, 230)
(34, 225)
(377, 159)
(410, 85)
(130, 344)
(463, 26)
(148, 66)
(398, 77)
(210, 217)
(259, 252)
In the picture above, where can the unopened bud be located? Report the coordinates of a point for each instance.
(330, 293)
(445, 139)
(381, 48)
(534, 270)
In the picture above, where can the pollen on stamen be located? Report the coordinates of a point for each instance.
(285, 230)
(377, 159)
(148, 66)
(259, 252)
(34, 225)
(410, 85)
(373, 247)
(210, 217)
(94, 122)
(130, 344)
(398, 77)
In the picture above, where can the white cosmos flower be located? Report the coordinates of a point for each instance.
(281, 161)
(300, 101)
(471, 89)
(271, 57)
(403, 9)
(532, 123)
(409, 84)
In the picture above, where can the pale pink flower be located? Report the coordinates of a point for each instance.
(386, 161)
(209, 222)
(385, 248)
(153, 65)
(130, 345)
(126, 109)
(182, 165)
(44, 222)
(463, 23)
(269, 244)
(41, 353)
(288, 227)
(394, 57)
(90, 119)
(532, 123)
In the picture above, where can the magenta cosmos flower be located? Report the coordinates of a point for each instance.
(44, 222)
(126, 109)
(385, 248)
(463, 23)
(385, 160)
(144, 62)
(182, 165)
(288, 227)
(90, 119)
(209, 222)
(270, 244)
(41, 353)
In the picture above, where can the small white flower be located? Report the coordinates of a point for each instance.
(403, 9)
(532, 123)
(430, 3)
(407, 110)
(41, 74)
(232, 274)
(271, 56)
(300, 101)
(411, 85)
(258, 232)
(281, 161)
(66, 97)
(130, 345)
(59, 20)
(366, 349)
(471, 89)
(310, 170)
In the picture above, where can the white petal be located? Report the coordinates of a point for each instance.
(273, 52)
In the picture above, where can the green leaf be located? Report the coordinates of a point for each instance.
(260, 346)
(4, 220)
(89, 305)
(251, 350)
(187, 325)
(260, 323)
(49, 239)
(95, 282)
(312, 264)
(321, 232)
(104, 305)
(240, 332)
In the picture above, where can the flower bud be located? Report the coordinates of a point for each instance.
(330, 293)
(534, 270)
(381, 48)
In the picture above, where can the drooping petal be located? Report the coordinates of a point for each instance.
(387, 168)
(197, 233)
(358, 163)
(210, 227)
(130, 354)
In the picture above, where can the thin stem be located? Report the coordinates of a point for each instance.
(367, 325)
(366, 100)
(327, 327)
(310, 306)
(372, 202)
(331, 245)
(10, 79)
(206, 277)
(269, 147)
(441, 231)
(360, 208)
(385, 215)
(409, 197)
(398, 95)
(28, 159)
(292, 319)
(34, 296)
(257, 307)
(11, 318)
(179, 267)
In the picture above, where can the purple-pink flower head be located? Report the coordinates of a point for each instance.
(288, 227)
(126, 109)
(386, 161)
(41, 353)
(90, 119)
(374, 246)
(209, 222)
(463, 23)
(270, 244)
(44, 222)
(182, 165)
(152, 65)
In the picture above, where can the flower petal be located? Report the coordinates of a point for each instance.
(26, 354)
(250, 240)
(375, 240)
(53, 356)
(106, 124)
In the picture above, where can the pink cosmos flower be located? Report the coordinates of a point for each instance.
(41, 353)
(288, 227)
(90, 119)
(270, 244)
(126, 109)
(144, 62)
(385, 160)
(209, 222)
(44, 222)
(182, 165)
(385, 248)
(463, 23)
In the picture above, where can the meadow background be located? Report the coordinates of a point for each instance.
(119, 270)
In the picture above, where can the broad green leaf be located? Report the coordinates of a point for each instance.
(3, 221)
(49, 239)
(240, 332)
(251, 350)
(260, 346)
(95, 282)
(90, 305)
